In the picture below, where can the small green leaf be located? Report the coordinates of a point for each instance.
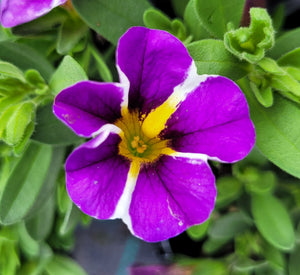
(263, 95)
(229, 188)
(197, 232)
(285, 43)
(70, 33)
(9, 70)
(25, 183)
(273, 221)
(61, 265)
(211, 57)
(18, 122)
(291, 58)
(155, 19)
(270, 66)
(212, 246)
(111, 18)
(50, 130)
(5, 117)
(29, 246)
(215, 15)
(34, 78)
(25, 57)
(258, 182)
(251, 43)
(68, 73)
(18, 149)
(275, 138)
(229, 225)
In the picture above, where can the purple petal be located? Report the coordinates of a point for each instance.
(16, 12)
(154, 62)
(170, 196)
(86, 106)
(213, 120)
(96, 175)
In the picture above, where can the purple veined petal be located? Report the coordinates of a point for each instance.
(86, 106)
(213, 120)
(171, 196)
(154, 62)
(16, 12)
(96, 175)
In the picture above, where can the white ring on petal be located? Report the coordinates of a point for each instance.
(107, 129)
(191, 156)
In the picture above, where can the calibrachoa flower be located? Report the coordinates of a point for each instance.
(16, 12)
(152, 135)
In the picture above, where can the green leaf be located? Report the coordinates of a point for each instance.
(155, 19)
(111, 18)
(291, 58)
(251, 43)
(9, 70)
(258, 182)
(197, 232)
(193, 22)
(71, 219)
(275, 138)
(45, 23)
(263, 95)
(29, 246)
(274, 257)
(294, 263)
(40, 225)
(61, 265)
(229, 188)
(270, 66)
(18, 122)
(285, 43)
(103, 69)
(273, 221)
(25, 183)
(229, 225)
(25, 57)
(50, 130)
(179, 6)
(5, 117)
(215, 15)
(70, 33)
(68, 73)
(34, 78)
(211, 57)
(18, 149)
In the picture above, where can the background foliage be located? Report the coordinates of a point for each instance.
(255, 227)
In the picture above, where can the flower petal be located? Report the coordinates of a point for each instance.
(170, 196)
(16, 12)
(213, 120)
(86, 106)
(154, 62)
(96, 175)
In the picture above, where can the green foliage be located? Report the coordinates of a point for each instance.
(68, 73)
(155, 19)
(275, 138)
(211, 57)
(250, 43)
(215, 15)
(111, 18)
(273, 221)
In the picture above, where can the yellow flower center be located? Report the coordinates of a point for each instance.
(137, 146)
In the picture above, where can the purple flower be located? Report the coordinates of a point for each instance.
(16, 12)
(152, 135)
